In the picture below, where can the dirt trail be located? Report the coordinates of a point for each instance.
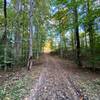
(53, 83)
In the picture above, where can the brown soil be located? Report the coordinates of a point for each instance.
(56, 79)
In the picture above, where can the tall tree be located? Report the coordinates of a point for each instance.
(90, 28)
(4, 37)
(77, 33)
(31, 4)
(5, 33)
(17, 33)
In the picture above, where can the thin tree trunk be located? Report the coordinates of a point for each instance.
(37, 54)
(29, 65)
(72, 41)
(85, 36)
(90, 30)
(5, 34)
(61, 48)
(77, 36)
(17, 34)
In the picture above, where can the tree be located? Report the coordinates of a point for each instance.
(31, 4)
(17, 33)
(4, 38)
(77, 33)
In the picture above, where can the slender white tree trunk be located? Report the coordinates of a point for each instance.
(31, 31)
(31, 27)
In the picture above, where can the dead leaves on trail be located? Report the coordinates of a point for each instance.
(48, 80)
(18, 84)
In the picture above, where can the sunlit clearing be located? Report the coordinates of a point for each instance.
(47, 47)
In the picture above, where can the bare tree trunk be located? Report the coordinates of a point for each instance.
(61, 48)
(5, 34)
(90, 29)
(77, 36)
(85, 36)
(72, 41)
(29, 65)
(17, 34)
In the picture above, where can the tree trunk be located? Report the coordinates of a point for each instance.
(31, 3)
(17, 34)
(77, 36)
(85, 36)
(5, 34)
(72, 41)
(90, 29)
(61, 48)
(91, 35)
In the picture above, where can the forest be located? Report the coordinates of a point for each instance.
(49, 49)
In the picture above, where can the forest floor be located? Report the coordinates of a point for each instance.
(53, 79)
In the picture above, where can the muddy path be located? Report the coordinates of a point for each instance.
(54, 83)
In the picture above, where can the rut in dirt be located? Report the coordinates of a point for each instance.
(53, 83)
